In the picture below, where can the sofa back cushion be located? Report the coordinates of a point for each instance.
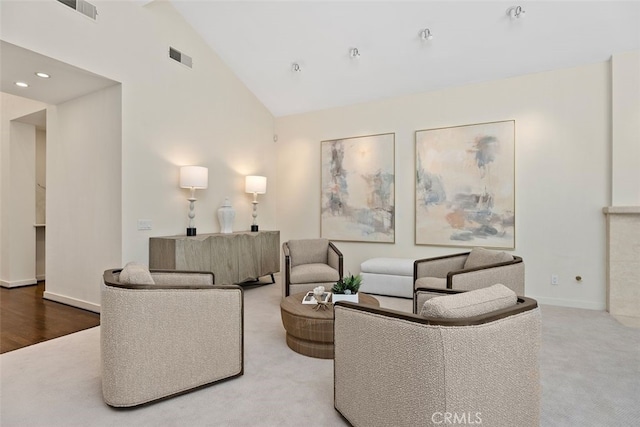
(308, 251)
(135, 274)
(479, 257)
(470, 304)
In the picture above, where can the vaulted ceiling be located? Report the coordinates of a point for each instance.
(473, 41)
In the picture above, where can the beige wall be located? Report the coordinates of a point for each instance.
(625, 162)
(562, 171)
(171, 116)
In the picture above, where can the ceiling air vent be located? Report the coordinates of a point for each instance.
(81, 6)
(176, 55)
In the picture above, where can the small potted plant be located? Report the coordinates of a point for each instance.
(346, 289)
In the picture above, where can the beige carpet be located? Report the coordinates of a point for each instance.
(590, 371)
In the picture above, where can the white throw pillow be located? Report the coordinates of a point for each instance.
(480, 257)
(470, 304)
(136, 274)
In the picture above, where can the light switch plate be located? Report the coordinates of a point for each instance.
(144, 224)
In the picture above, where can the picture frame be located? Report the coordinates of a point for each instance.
(358, 189)
(465, 185)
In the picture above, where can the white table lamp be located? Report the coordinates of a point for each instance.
(193, 177)
(256, 185)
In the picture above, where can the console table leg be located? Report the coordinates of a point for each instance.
(273, 279)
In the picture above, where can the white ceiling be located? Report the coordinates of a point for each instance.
(473, 41)
(66, 81)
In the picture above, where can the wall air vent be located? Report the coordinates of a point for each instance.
(82, 6)
(176, 55)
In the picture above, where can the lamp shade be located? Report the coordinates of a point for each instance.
(255, 184)
(194, 177)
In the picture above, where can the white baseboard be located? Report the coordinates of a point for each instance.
(85, 305)
(569, 303)
(18, 283)
(40, 277)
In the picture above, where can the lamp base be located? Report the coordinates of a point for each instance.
(254, 228)
(191, 231)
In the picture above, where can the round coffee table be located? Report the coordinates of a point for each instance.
(310, 331)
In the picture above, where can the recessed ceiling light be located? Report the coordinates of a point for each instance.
(515, 12)
(43, 75)
(21, 84)
(426, 34)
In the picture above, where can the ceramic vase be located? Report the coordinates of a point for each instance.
(226, 216)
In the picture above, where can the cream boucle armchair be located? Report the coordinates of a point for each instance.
(173, 332)
(309, 263)
(470, 356)
(467, 271)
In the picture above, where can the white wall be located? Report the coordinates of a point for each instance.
(17, 199)
(562, 171)
(41, 176)
(83, 196)
(41, 205)
(171, 116)
(22, 234)
(626, 129)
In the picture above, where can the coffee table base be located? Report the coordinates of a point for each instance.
(309, 331)
(315, 349)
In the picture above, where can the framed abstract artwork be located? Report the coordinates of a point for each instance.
(358, 189)
(465, 186)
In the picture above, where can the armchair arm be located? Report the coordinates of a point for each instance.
(509, 273)
(165, 279)
(523, 304)
(438, 266)
(334, 259)
(287, 268)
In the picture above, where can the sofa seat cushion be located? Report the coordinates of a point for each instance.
(479, 257)
(308, 251)
(312, 273)
(470, 304)
(135, 274)
(431, 282)
(390, 266)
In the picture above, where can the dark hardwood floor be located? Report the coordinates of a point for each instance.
(26, 318)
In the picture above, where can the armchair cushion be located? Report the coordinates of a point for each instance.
(308, 251)
(470, 304)
(431, 282)
(314, 273)
(136, 274)
(479, 257)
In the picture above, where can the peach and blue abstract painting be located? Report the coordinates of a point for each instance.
(465, 186)
(358, 189)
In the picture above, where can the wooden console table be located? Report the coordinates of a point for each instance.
(233, 258)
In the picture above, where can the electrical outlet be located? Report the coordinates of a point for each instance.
(554, 279)
(144, 224)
